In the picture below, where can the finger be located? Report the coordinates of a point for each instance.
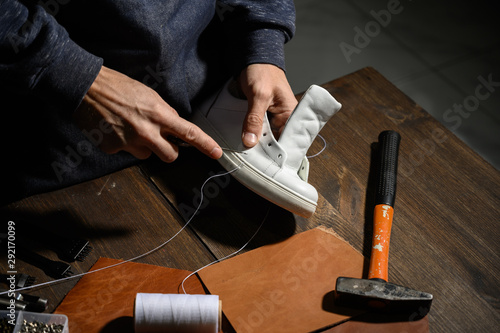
(278, 121)
(281, 110)
(252, 125)
(195, 136)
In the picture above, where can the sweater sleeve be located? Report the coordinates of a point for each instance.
(38, 59)
(258, 30)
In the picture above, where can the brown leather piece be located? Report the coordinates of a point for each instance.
(289, 287)
(285, 287)
(104, 301)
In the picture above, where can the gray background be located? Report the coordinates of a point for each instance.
(434, 51)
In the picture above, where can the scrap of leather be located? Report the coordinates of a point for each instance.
(104, 301)
(289, 286)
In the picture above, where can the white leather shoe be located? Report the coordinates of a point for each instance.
(275, 169)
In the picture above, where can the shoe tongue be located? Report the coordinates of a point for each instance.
(311, 114)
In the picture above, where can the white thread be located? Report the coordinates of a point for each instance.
(155, 313)
(137, 257)
(322, 149)
(166, 242)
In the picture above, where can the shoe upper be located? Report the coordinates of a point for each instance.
(280, 160)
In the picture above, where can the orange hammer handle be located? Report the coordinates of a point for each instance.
(385, 195)
(379, 259)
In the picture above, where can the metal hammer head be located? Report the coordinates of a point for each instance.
(382, 296)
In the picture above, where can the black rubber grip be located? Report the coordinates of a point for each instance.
(387, 167)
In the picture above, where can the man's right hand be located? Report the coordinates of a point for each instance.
(141, 121)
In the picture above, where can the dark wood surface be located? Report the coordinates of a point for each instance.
(122, 215)
(445, 232)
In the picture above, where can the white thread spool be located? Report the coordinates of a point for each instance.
(177, 313)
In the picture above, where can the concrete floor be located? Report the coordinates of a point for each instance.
(440, 53)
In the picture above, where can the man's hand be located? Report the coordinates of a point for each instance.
(266, 89)
(140, 119)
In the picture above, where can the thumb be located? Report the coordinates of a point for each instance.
(252, 126)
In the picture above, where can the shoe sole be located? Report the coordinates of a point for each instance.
(254, 179)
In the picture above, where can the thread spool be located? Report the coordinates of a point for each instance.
(178, 313)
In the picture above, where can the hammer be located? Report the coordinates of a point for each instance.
(375, 292)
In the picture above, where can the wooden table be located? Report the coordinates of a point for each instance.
(445, 237)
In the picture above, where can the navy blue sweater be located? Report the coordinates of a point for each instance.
(52, 50)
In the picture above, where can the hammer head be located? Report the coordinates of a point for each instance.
(382, 296)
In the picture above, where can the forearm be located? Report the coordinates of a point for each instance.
(38, 59)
